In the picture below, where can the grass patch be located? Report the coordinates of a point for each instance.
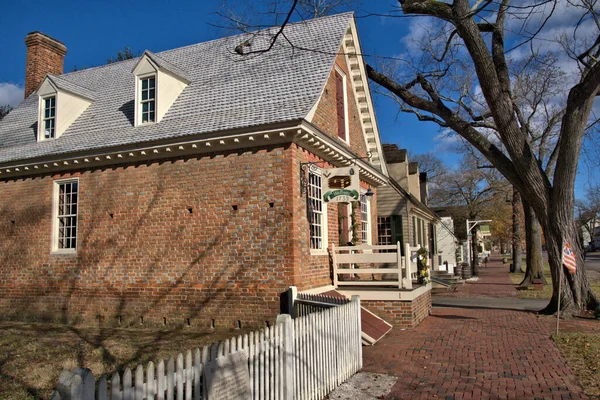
(546, 293)
(33, 355)
(531, 293)
(582, 352)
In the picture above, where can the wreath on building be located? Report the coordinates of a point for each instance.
(422, 268)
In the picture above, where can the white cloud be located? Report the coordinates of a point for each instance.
(10, 94)
(447, 141)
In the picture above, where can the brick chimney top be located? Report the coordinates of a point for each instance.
(45, 55)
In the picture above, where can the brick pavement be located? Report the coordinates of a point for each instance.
(460, 353)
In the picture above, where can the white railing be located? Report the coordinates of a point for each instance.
(304, 358)
(346, 258)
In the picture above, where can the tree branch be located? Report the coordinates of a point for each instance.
(453, 121)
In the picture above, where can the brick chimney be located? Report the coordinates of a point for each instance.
(45, 55)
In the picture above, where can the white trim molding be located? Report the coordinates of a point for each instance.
(302, 133)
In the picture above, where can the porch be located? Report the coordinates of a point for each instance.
(385, 280)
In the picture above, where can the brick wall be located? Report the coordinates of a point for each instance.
(314, 268)
(401, 314)
(325, 117)
(155, 241)
(161, 242)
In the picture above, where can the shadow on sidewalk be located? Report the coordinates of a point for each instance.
(526, 309)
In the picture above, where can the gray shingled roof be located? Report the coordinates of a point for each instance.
(161, 63)
(227, 91)
(67, 86)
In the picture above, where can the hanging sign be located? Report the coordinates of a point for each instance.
(484, 230)
(342, 185)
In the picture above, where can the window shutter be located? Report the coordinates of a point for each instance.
(345, 221)
(397, 235)
(339, 102)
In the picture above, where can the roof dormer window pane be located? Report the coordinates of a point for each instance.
(49, 120)
(148, 99)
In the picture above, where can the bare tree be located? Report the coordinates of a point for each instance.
(473, 188)
(588, 212)
(479, 32)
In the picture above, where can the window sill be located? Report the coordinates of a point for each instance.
(69, 252)
(145, 124)
(319, 252)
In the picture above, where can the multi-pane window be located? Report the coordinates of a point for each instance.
(148, 99)
(315, 209)
(66, 215)
(414, 232)
(384, 230)
(364, 220)
(49, 120)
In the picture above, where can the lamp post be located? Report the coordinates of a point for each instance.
(470, 226)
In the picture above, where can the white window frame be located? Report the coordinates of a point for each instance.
(319, 192)
(339, 71)
(367, 211)
(139, 102)
(56, 216)
(42, 116)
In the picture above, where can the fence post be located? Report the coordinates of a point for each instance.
(289, 359)
(334, 265)
(399, 255)
(292, 296)
(356, 299)
(407, 257)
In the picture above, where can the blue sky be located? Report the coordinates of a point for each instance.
(96, 30)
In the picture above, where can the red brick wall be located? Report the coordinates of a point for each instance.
(153, 259)
(143, 254)
(325, 117)
(314, 270)
(401, 314)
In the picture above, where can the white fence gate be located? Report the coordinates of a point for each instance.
(304, 358)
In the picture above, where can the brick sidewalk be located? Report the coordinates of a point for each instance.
(460, 353)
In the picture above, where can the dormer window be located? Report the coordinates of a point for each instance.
(60, 103)
(148, 99)
(49, 119)
(158, 83)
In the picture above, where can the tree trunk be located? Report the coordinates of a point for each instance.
(517, 232)
(475, 252)
(533, 238)
(576, 293)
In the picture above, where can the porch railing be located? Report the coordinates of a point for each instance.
(350, 262)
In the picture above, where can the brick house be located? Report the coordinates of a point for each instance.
(171, 188)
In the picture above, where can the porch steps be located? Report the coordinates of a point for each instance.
(373, 328)
(444, 281)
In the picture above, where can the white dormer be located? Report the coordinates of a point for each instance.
(60, 103)
(157, 85)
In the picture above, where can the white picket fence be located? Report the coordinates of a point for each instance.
(303, 358)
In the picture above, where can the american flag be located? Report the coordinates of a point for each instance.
(569, 259)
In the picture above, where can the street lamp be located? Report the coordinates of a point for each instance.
(470, 226)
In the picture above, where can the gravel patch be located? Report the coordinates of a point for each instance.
(365, 386)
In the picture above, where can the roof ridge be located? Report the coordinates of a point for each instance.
(210, 41)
